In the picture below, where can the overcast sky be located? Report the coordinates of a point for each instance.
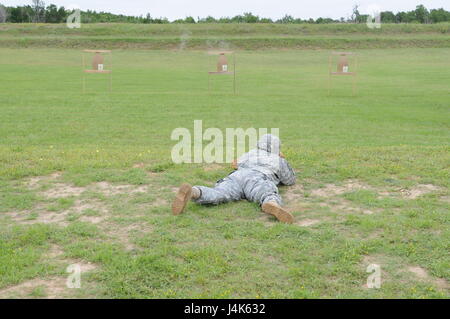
(274, 9)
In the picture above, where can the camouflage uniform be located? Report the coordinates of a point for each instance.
(259, 172)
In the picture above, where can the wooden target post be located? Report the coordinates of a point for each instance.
(223, 67)
(347, 65)
(98, 65)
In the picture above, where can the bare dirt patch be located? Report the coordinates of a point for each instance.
(418, 271)
(61, 190)
(331, 190)
(82, 205)
(293, 193)
(413, 192)
(35, 182)
(344, 206)
(419, 190)
(52, 287)
(92, 219)
(423, 275)
(41, 217)
(294, 199)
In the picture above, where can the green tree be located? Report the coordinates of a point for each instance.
(387, 17)
(439, 15)
(51, 14)
(287, 19)
(422, 14)
(265, 20)
(250, 18)
(208, 19)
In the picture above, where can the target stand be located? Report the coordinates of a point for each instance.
(98, 65)
(343, 60)
(223, 67)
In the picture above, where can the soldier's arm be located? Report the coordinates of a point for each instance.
(287, 174)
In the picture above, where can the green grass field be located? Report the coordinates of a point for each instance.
(88, 178)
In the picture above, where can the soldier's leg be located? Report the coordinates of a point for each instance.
(258, 188)
(263, 191)
(226, 190)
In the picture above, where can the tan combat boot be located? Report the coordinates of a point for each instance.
(276, 210)
(184, 194)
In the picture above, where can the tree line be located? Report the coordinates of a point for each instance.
(39, 12)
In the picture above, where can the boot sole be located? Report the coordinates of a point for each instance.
(181, 199)
(279, 213)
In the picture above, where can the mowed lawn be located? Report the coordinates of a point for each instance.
(88, 179)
